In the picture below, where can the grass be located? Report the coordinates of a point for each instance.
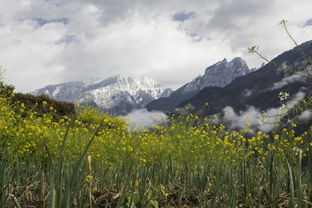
(93, 160)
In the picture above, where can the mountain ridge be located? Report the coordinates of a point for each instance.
(259, 89)
(219, 74)
(117, 95)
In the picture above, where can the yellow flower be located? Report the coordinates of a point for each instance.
(276, 137)
(298, 139)
(89, 177)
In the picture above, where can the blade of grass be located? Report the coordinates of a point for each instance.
(291, 184)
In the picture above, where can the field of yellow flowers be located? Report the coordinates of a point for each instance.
(90, 159)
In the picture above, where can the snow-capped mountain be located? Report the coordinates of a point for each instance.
(64, 92)
(117, 95)
(217, 75)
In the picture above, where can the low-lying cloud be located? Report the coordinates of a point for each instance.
(139, 119)
(288, 80)
(259, 120)
(305, 115)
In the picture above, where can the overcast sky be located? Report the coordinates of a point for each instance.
(171, 41)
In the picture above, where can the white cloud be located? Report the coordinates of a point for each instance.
(142, 118)
(305, 115)
(264, 121)
(141, 38)
(288, 80)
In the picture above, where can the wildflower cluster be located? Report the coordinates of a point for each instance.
(185, 139)
(187, 150)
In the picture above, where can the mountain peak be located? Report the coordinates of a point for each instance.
(122, 78)
(223, 62)
(258, 91)
(236, 64)
(119, 94)
(219, 75)
(129, 79)
(222, 73)
(239, 65)
(238, 60)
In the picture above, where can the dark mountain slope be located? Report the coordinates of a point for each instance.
(259, 88)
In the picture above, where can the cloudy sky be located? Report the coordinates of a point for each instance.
(172, 41)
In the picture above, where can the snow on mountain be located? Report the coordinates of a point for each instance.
(117, 95)
(64, 92)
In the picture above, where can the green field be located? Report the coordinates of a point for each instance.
(89, 159)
